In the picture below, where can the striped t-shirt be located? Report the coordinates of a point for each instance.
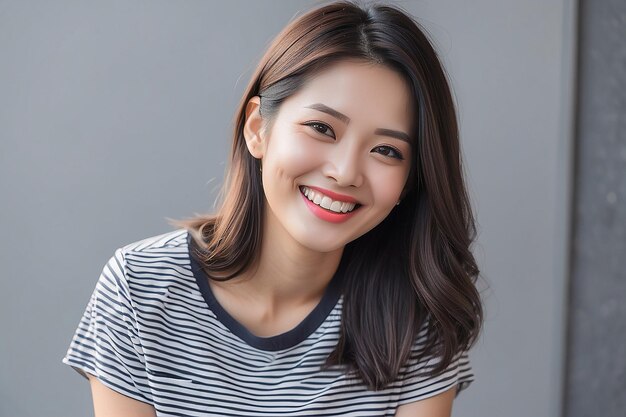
(154, 331)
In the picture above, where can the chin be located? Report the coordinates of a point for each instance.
(321, 245)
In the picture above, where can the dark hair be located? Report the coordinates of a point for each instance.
(415, 269)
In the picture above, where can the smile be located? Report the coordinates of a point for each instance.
(326, 202)
(316, 202)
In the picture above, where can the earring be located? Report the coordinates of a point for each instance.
(398, 203)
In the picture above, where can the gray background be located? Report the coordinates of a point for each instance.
(596, 367)
(115, 115)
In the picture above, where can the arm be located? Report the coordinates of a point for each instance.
(439, 405)
(109, 403)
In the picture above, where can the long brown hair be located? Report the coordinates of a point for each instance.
(415, 269)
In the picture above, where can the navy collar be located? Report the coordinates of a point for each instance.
(281, 341)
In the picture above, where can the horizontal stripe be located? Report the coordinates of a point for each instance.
(153, 330)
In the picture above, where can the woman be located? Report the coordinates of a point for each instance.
(336, 276)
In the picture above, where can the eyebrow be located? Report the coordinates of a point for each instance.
(380, 131)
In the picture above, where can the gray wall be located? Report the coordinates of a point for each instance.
(115, 115)
(596, 376)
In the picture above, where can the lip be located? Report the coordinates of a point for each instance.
(327, 215)
(334, 196)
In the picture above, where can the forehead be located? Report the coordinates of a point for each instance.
(369, 94)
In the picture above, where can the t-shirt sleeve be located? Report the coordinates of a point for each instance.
(416, 386)
(106, 343)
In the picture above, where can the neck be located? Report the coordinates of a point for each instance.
(286, 274)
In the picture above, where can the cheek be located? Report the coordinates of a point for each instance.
(293, 154)
(387, 187)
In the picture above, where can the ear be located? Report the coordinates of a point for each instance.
(252, 128)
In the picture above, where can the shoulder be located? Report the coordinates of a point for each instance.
(147, 252)
(162, 242)
(419, 380)
(150, 264)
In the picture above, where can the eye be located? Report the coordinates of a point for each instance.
(390, 151)
(320, 127)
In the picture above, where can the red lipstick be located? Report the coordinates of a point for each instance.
(334, 196)
(329, 215)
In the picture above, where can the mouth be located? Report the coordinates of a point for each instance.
(327, 203)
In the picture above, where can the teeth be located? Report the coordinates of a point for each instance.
(336, 206)
(327, 202)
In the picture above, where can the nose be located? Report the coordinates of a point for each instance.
(344, 165)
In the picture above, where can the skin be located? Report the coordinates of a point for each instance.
(300, 252)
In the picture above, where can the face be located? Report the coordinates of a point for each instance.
(342, 141)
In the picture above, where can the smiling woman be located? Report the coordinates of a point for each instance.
(336, 277)
(348, 159)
